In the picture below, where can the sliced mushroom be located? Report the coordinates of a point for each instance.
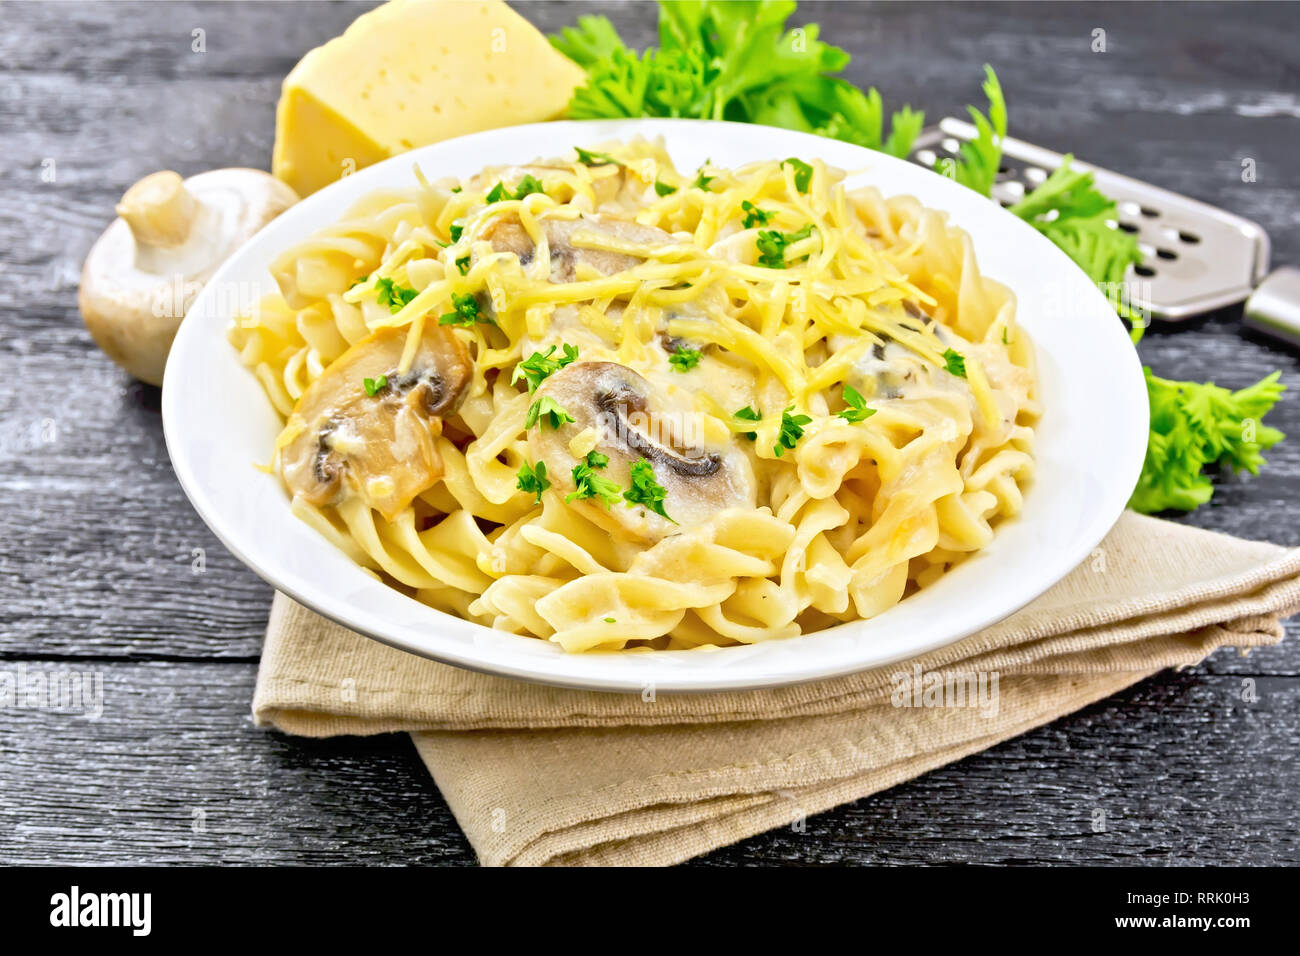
(617, 413)
(507, 234)
(348, 442)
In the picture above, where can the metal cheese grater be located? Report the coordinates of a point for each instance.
(1196, 258)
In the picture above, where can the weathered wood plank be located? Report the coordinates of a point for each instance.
(173, 771)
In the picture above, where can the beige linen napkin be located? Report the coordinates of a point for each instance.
(538, 775)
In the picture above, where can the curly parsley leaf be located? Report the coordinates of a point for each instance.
(791, 431)
(588, 484)
(857, 410)
(732, 61)
(548, 410)
(393, 295)
(772, 243)
(466, 313)
(1194, 426)
(646, 490)
(532, 480)
(684, 358)
(374, 386)
(539, 366)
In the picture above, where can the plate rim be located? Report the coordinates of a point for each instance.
(571, 674)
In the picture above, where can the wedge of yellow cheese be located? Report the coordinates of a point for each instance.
(409, 73)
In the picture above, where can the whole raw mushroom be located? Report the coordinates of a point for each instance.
(143, 273)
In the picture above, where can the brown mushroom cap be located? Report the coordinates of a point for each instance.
(630, 423)
(507, 234)
(345, 442)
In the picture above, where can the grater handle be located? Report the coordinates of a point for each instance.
(1274, 307)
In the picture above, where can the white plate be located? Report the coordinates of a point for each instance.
(1091, 440)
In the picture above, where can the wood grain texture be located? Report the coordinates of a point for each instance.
(97, 565)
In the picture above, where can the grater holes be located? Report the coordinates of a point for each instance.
(1035, 175)
(1167, 254)
(1149, 212)
(1128, 227)
(1144, 270)
(926, 157)
(1190, 238)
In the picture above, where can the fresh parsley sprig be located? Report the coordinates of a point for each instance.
(857, 410)
(539, 366)
(394, 296)
(1195, 425)
(588, 484)
(733, 61)
(684, 358)
(532, 480)
(595, 159)
(374, 386)
(791, 431)
(548, 410)
(646, 490)
(527, 186)
(466, 313)
(954, 362)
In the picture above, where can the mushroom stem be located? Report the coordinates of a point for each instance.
(159, 209)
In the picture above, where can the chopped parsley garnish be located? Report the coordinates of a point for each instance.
(646, 490)
(456, 189)
(955, 362)
(393, 295)
(1005, 340)
(609, 620)
(684, 359)
(374, 386)
(527, 186)
(539, 365)
(455, 232)
(588, 484)
(548, 410)
(747, 414)
(463, 264)
(467, 311)
(702, 181)
(857, 410)
(802, 173)
(533, 480)
(663, 189)
(594, 159)
(772, 243)
(791, 431)
(755, 216)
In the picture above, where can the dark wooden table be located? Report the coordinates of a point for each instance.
(97, 560)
